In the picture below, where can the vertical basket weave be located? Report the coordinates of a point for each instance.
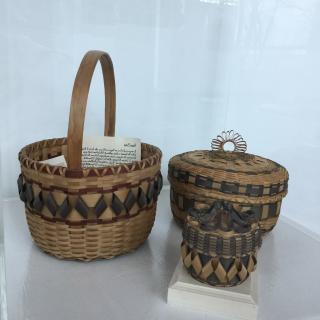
(89, 213)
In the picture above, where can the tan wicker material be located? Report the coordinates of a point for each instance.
(198, 178)
(219, 245)
(89, 213)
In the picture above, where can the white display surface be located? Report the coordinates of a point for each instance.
(134, 286)
(233, 303)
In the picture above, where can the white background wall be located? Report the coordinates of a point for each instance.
(185, 70)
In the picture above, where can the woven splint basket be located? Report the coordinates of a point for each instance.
(220, 245)
(249, 182)
(90, 213)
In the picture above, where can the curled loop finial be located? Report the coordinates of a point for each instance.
(239, 144)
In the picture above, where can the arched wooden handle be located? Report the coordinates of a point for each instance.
(79, 103)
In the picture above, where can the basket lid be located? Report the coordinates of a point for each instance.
(234, 172)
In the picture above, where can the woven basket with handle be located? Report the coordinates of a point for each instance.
(88, 213)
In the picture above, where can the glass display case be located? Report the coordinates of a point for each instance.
(185, 70)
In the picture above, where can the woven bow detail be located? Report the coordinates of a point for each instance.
(222, 215)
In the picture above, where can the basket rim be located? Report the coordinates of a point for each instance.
(180, 159)
(29, 163)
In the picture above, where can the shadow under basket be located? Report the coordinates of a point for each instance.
(88, 213)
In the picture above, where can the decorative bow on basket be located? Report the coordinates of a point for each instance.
(222, 215)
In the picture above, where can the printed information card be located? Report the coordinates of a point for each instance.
(103, 151)
(108, 151)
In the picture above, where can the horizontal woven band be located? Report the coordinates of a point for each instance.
(92, 206)
(213, 245)
(90, 189)
(263, 211)
(88, 221)
(228, 187)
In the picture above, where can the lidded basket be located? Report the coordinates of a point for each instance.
(88, 213)
(220, 245)
(249, 182)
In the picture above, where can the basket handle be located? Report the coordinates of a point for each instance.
(79, 103)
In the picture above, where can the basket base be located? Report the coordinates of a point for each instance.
(219, 275)
(84, 259)
(91, 241)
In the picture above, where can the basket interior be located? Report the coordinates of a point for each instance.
(47, 149)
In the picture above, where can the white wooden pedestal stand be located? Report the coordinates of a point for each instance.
(239, 302)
